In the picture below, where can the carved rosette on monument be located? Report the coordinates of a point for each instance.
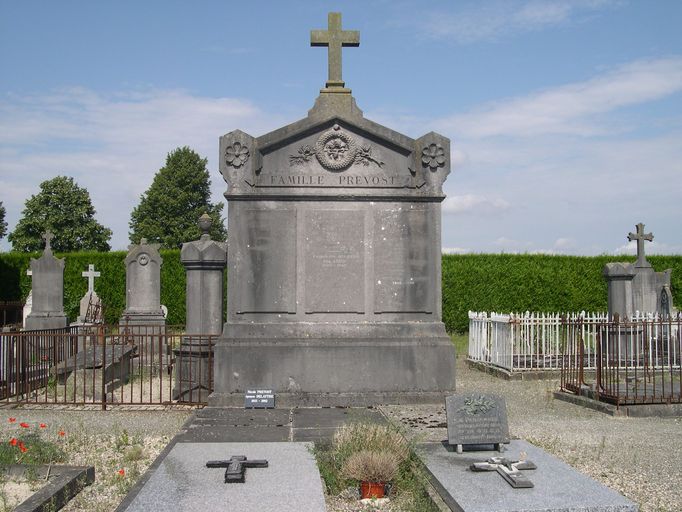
(334, 267)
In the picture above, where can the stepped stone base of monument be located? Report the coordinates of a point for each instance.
(335, 364)
(557, 486)
(136, 318)
(38, 321)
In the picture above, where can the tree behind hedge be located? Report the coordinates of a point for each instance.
(178, 196)
(3, 224)
(66, 210)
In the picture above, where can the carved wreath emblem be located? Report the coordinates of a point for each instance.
(236, 155)
(477, 405)
(433, 156)
(335, 150)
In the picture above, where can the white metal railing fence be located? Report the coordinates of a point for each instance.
(529, 341)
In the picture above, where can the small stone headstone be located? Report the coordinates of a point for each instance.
(476, 419)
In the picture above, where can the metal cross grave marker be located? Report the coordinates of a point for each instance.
(507, 469)
(236, 467)
(334, 38)
(91, 275)
(641, 237)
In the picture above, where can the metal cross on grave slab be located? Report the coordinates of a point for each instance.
(236, 467)
(641, 237)
(91, 275)
(507, 469)
(334, 38)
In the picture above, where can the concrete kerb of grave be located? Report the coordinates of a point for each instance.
(62, 484)
(632, 411)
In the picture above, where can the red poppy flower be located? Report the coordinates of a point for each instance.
(24, 425)
(61, 433)
(22, 447)
(122, 472)
(13, 441)
(42, 425)
(12, 420)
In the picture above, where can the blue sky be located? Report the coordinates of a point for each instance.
(565, 116)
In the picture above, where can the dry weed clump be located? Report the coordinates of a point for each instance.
(369, 437)
(378, 467)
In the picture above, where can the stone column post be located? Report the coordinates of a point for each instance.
(204, 261)
(619, 278)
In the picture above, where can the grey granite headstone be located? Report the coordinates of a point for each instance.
(557, 486)
(143, 285)
(47, 311)
(636, 287)
(476, 419)
(290, 483)
(204, 262)
(334, 266)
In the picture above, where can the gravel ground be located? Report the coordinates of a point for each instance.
(639, 457)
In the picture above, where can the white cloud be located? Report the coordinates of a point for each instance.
(113, 145)
(455, 250)
(572, 109)
(654, 247)
(493, 20)
(471, 203)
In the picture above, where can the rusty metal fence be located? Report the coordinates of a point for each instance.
(106, 365)
(638, 361)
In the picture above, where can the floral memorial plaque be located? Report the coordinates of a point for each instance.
(476, 419)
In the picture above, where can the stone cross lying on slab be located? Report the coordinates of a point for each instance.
(236, 467)
(508, 469)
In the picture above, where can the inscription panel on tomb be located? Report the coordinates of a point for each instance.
(334, 261)
(266, 274)
(476, 419)
(403, 262)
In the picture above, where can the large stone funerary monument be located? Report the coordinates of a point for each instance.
(334, 261)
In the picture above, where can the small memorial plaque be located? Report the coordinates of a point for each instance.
(259, 399)
(476, 418)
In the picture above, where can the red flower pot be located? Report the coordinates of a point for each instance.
(371, 490)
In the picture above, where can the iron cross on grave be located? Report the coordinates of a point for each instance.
(236, 467)
(641, 237)
(334, 38)
(507, 469)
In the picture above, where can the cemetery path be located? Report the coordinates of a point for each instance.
(639, 457)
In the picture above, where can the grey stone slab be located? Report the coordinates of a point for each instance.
(47, 273)
(197, 433)
(333, 417)
(476, 418)
(245, 417)
(557, 486)
(291, 482)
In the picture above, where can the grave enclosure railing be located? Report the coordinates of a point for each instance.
(523, 342)
(106, 365)
(639, 361)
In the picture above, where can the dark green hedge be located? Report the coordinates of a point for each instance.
(110, 286)
(478, 282)
(532, 282)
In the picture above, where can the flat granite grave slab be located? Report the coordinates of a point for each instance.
(557, 486)
(291, 482)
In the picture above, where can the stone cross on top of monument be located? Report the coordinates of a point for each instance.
(48, 236)
(334, 38)
(91, 275)
(641, 237)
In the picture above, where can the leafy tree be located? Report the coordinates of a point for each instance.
(170, 208)
(3, 224)
(65, 209)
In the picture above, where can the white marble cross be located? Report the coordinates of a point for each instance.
(91, 275)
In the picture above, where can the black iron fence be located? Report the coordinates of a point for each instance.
(639, 360)
(106, 365)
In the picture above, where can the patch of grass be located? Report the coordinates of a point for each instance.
(38, 451)
(409, 483)
(461, 343)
